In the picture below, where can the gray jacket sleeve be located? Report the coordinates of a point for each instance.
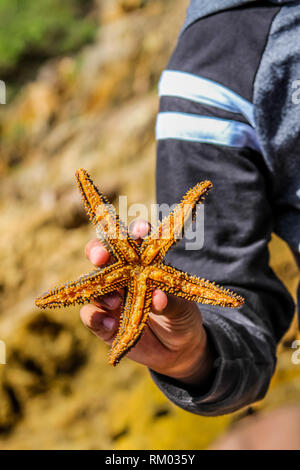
(253, 196)
(277, 116)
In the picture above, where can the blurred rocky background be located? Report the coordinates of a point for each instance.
(81, 79)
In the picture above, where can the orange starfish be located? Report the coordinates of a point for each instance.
(138, 268)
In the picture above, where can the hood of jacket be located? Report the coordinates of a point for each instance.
(200, 8)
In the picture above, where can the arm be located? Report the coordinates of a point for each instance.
(277, 115)
(239, 214)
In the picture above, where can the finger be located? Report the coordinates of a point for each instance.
(100, 322)
(138, 229)
(109, 302)
(96, 252)
(163, 304)
(159, 301)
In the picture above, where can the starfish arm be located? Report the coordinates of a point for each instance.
(155, 246)
(133, 319)
(181, 284)
(109, 227)
(86, 288)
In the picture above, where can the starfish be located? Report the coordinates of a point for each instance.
(138, 268)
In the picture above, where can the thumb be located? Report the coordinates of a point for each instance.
(170, 305)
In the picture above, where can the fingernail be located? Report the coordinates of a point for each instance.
(139, 229)
(108, 323)
(160, 300)
(95, 254)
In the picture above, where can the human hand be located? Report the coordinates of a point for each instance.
(175, 342)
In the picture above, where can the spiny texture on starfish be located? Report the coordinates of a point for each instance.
(138, 268)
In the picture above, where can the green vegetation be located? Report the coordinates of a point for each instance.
(35, 30)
